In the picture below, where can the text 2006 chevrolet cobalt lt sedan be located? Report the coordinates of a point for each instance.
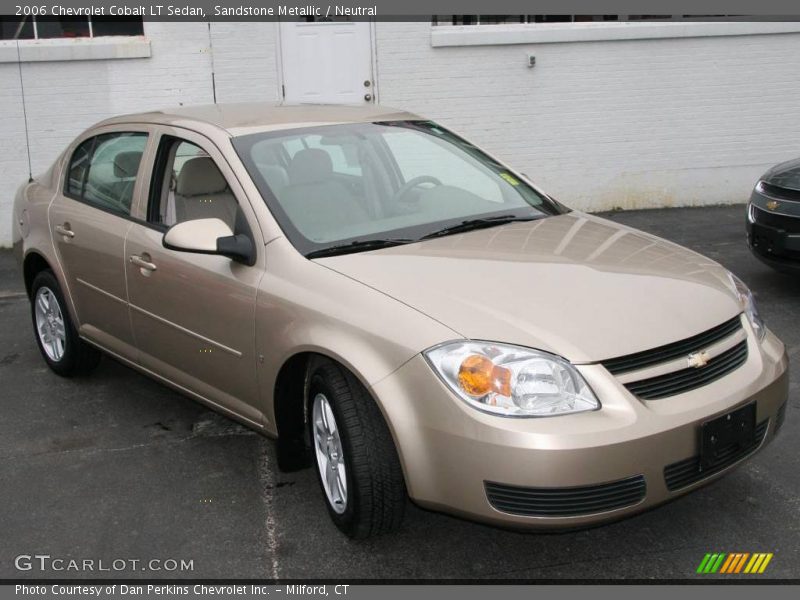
(400, 309)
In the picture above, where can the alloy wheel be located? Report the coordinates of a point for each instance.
(330, 453)
(50, 324)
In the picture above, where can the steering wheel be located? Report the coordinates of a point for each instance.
(400, 195)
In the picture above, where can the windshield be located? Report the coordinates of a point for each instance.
(400, 181)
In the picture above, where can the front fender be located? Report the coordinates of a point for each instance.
(303, 306)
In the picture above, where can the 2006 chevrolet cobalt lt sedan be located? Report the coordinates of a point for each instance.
(400, 309)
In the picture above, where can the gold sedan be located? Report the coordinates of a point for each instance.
(399, 309)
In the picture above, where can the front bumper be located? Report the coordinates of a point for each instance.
(450, 451)
(773, 230)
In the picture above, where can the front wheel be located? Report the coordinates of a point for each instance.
(356, 460)
(61, 347)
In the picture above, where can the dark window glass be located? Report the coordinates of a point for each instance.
(552, 18)
(501, 19)
(116, 26)
(103, 170)
(508, 19)
(62, 27)
(592, 18)
(13, 28)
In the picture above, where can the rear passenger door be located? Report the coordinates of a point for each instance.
(89, 219)
(193, 315)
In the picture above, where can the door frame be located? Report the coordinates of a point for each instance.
(373, 59)
(186, 381)
(61, 175)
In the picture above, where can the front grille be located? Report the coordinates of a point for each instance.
(776, 221)
(686, 472)
(781, 193)
(566, 502)
(690, 378)
(648, 358)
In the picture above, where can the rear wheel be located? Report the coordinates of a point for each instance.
(355, 457)
(61, 347)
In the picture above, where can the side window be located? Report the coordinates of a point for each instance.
(103, 170)
(188, 185)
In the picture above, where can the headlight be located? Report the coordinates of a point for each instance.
(511, 381)
(749, 307)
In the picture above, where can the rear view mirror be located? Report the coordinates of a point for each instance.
(210, 236)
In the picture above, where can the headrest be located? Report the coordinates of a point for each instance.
(275, 175)
(200, 176)
(310, 165)
(126, 164)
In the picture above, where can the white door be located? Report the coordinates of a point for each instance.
(327, 62)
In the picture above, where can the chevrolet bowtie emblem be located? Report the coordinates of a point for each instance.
(698, 359)
(773, 204)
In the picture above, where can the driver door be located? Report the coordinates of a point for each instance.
(193, 315)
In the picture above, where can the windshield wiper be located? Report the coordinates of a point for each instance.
(358, 246)
(481, 223)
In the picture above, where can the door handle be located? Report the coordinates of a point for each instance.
(368, 97)
(142, 262)
(65, 230)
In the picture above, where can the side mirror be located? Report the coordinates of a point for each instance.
(210, 236)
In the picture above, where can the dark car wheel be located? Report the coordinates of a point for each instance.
(56, 336)
(355, 457)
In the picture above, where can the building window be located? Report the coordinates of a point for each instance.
(16, 29)
(40, 28)
(525, 19)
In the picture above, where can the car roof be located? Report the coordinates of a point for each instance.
(251, 117)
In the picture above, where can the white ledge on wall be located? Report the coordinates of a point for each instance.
(99, 48)
(547, 33)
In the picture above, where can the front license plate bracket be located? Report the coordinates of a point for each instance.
(730, 432)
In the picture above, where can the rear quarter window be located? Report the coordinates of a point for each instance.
(102, 170)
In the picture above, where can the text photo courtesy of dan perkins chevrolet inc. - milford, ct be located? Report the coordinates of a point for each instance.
(176, 590)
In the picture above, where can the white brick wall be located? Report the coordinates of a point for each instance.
(13, 159)
(598, 124)
(245, 61)
(616, 123)
(63, 98)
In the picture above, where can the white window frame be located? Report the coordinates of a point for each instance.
(93, 47)
(594, 31)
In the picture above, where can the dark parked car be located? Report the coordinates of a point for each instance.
(773, 217)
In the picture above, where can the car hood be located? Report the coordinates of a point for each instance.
(574, 285)
(785, 175)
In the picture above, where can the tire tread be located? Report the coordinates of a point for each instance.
(379, 484)
(80, 358)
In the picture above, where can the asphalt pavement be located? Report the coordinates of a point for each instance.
(117, 467)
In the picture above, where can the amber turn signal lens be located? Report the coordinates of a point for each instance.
(478, 376)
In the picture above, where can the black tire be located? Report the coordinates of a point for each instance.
(79, 358)
(376, 491)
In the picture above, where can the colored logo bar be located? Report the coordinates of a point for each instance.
(734, 563)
